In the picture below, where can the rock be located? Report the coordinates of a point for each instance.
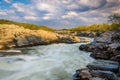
(87, 47)
(30, 40)
(76, 75)
(107, 48)
(86, 34)
(102, 51)
(116, 37)
(99, 54)
(105, 65)
(92, 46)
(2, 47)
(91, 34)
(102, 40)
(20, 41)
(97, 78)
(68, 39)
(85, 74)
(10, 52)
(76, 39)
(107, 34)
(119, 72)
(114, 45)
(104, 74)
(1, 55)
(116, 58)
(82, 74)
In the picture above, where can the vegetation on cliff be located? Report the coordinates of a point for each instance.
(26, 25)
(96, 27)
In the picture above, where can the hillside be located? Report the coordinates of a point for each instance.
(26, 25)
(96, 27)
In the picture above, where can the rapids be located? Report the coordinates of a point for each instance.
(49, 62)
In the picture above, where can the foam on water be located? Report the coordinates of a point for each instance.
(51, 62)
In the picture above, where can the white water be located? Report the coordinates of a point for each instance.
(51, 62)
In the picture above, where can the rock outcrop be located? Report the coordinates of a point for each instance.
(17, 36)
(106, 49)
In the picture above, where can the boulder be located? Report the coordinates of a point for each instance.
(85, 74)
(76, 75)
(99, 54)
(20, 41)
(88, 47)
(30, 40)
(82, 74)
(106, 65)
(108, 75)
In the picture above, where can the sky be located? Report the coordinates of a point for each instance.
(59, 14)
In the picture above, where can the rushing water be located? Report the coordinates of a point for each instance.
(51, 62)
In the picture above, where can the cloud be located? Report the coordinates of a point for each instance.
(30, 18)
(7, 1)
(46, 7)
(19, 7)
(3, 13)
(70, 14)
(61, 13)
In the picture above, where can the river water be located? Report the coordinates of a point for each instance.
(51, 62)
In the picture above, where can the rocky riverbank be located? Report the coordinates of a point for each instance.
(17, 36)
(106, 50)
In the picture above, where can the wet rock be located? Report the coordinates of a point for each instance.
(97, 78)
(108, 75)
(99, 54)
(114, 45)
(107, 34)
(68, 39)
(85, 74)
(92, 46)
(102, 40)
(116, 37)
(87, 47)
(76, 75)
(105, 65)
(107, 48)
(10, 52)
(86, 34)
(82, 74)
(1, 55)
(116, 58)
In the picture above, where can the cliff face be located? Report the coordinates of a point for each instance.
(13, 35)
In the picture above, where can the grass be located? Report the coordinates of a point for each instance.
(26, 25)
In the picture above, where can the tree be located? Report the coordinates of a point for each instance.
(114, 18)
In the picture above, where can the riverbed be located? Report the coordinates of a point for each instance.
(47, 62)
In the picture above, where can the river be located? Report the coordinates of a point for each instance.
(50, 62)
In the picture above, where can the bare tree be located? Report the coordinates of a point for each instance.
(114, 18)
